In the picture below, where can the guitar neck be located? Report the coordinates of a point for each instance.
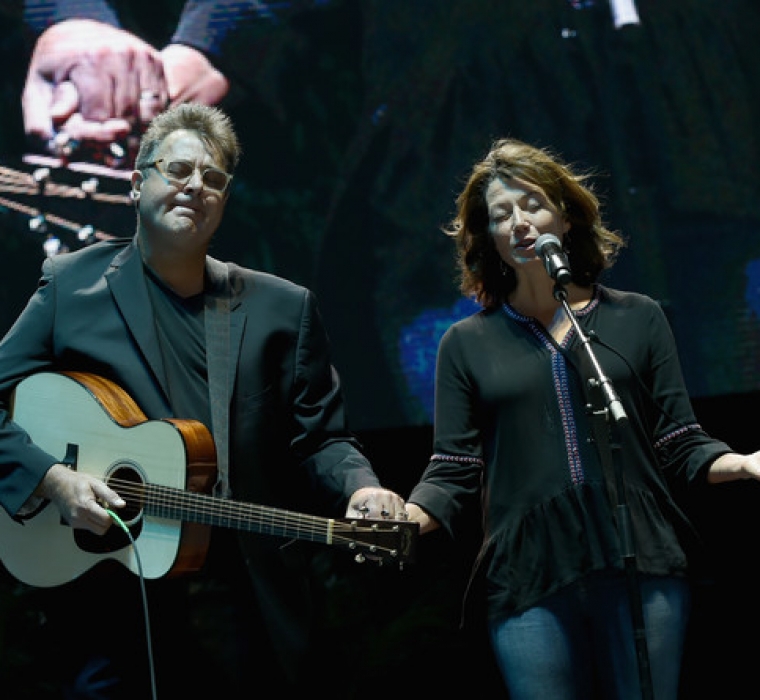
(186, 506)
(384, 540)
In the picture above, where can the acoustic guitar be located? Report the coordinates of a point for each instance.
(164, 470)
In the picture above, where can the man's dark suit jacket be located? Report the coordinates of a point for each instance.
(289, 446)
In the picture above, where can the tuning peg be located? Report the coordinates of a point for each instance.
(38, 224)
(52, 246)
(41, 177)
(90, 186)
(117, 150)
(86, 234)
(62, 145)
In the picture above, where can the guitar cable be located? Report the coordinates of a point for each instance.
(144, 593)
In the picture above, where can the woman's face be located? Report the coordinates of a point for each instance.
(519, 212)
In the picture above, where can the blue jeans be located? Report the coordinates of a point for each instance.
(579, 643)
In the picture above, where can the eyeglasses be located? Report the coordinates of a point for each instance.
(180, 171)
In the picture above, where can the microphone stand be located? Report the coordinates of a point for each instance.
(614, 415)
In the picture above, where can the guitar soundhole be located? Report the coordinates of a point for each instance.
(127, 481)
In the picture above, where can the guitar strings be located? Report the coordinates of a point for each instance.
(171, 503)
(20, 183)
(67, 224)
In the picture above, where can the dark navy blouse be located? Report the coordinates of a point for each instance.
(514, 426)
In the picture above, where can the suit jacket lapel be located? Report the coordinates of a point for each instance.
(223, 336)
(226, 300)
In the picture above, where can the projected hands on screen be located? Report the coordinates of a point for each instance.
(92, 88)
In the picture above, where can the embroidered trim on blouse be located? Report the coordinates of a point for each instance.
(673, 434)
(560, 379)
(458, 458)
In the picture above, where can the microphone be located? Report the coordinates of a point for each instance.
(549, 248)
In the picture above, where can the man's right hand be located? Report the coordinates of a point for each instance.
(81, 499)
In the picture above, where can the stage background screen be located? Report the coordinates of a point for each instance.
(359, 121)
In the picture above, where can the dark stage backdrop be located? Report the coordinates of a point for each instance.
(359, 120)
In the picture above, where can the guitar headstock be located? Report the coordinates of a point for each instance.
(66, 205)
(381, 541)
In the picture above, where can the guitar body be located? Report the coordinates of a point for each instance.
(97, 423)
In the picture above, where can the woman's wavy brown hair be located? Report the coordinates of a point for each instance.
(589, 245)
